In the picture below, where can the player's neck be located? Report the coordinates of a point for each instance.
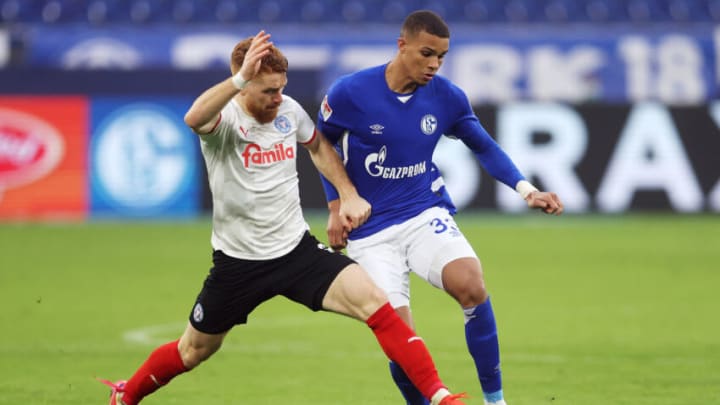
(397, 80)
(240, 100)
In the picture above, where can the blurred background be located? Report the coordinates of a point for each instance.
(612, 104)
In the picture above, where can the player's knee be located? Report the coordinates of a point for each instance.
(468, 291)
(473, 296)
(376, 296)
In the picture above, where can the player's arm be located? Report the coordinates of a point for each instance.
(353, 210)
(502, 168)
(333, 120)
(336, 232)
(204, 114)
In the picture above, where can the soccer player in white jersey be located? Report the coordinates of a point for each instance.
(386, 122)
(262, 248)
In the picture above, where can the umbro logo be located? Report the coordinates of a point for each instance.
(376, 129)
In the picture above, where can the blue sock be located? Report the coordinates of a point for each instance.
(407, 389)
(482, 341)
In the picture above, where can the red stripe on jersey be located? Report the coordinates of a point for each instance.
(216, 124)
(314, 135)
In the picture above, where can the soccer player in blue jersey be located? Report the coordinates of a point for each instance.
(386, 122)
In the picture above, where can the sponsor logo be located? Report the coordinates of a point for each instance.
(30, 148)
(102, 53)
(325, 109)
(255, 155)
(282, 124)
(376, 129)
(374, 167)
(428, 124)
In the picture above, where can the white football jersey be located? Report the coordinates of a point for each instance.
(254, 183)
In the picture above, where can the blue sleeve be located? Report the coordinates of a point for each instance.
(331, 123)
(336, 112)
(468, 129)
(488, 152)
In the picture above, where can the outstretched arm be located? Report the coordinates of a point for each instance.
(502, 168)
(353, 210)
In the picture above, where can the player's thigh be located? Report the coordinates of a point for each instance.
(309, 271)
(435, 241)
(382, 257)
(353, 293)
(231, 291)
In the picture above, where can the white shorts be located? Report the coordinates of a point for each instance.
(423, 245)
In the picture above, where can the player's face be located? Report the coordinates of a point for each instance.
(263, 95)
(422, 55)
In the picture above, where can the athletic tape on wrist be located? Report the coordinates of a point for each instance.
(524, 187)
(239, 82)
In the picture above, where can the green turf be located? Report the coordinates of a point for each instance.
(591, 310)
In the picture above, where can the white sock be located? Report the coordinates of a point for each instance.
(438, 396)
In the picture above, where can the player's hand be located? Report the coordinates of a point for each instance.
(336, 232)
(259, 47)
(548, 202)
(354, 212)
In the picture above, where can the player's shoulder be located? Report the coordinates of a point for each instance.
(288, 101)
(371, 72)
(291, 107)
(359, 79)
(442, 83)
(289, 104)
(445, 89)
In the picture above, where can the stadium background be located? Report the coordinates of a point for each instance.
(613, 104)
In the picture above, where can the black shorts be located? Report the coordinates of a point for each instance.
(235, 287)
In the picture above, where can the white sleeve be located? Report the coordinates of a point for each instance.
(306, 126)
(223, 126)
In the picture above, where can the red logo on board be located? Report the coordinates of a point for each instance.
(30, 148)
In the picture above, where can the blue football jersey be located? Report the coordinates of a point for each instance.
(387, 141)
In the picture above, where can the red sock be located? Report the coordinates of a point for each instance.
(163, 364)
(401, 345)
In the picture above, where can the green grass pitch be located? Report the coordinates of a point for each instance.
(590, 309)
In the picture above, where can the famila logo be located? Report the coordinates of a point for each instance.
(255, 155)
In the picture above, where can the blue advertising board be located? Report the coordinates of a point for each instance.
(144, 161)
